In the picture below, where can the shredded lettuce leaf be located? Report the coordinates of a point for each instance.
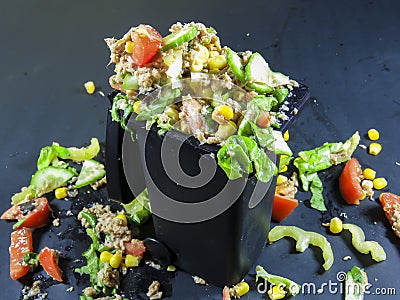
(138, 210)
(321, 158)
(93, 263)
(239, 154)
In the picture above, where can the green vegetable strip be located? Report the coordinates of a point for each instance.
(358, 240)
(19, 223)
(321, 158)
(90, 218)
(292, 288)
(303, 240)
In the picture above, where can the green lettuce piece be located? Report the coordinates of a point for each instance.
(157, 106)
(93, 263)
(138, 210)
(49, 153)
(321, 158)
(290, 287)
(355, 284)
(280, 94)
(234, 158)
(239, 154)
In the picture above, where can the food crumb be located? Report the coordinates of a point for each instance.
(154, 291)
(69, 213)
(375, 222)
(397, 163)
(343, 215)
(153, 264)
(70, 289)
(56, 222)
(171, 268)
(199, 280)
(363, 146)
(33, 291)
(101, 94)
(346, 258)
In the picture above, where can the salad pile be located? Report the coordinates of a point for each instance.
(241, 105)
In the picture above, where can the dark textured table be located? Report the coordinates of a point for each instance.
(347, 52)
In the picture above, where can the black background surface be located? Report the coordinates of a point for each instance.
(347, 52)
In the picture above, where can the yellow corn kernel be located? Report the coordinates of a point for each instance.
(214, 53)
(373, 134)
(217, 62)
(131, 261)
(105, 256)
(241, 288)
(283, 169)
(202, 54)
(61, 193)
(336, 225)
(364, 195)
(196, 66)
(286, 135)
(136, 107)
(375, 148)
(281, 179)
(224, 110)
(276, 292)
(115, 260)
(369, 174)
(89, 86)
(123, 218)
(379, 183)
(129, 47)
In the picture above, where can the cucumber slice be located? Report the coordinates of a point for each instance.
(236, 66)
(178, 38)
(50, 178)
(130, 82)
(91, 172)
(258, 74)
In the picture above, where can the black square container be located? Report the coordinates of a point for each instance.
(220, 245)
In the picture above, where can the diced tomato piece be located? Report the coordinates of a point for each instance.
(135, 248)
(225, 294)
(391, 207)
(35, 218)
(349, 182)
(283, 207)
(13, 213)
(21, 243)
(146, 43)
(48, 258)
